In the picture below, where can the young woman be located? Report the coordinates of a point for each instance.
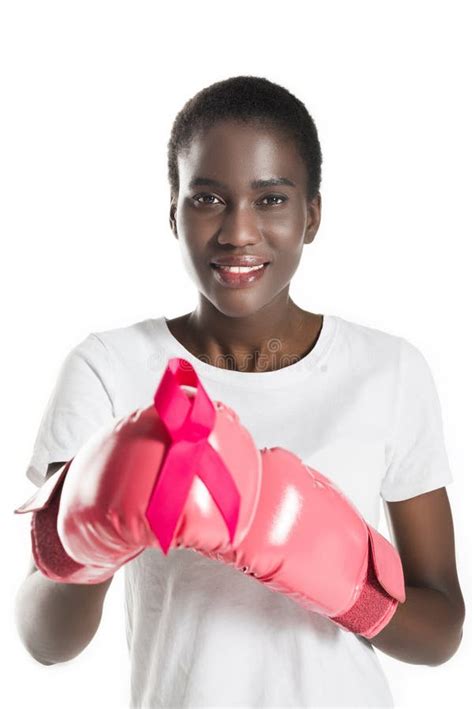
(353, 402)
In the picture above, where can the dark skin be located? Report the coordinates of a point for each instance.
(234, 217)
(427, 628)
(274, 223)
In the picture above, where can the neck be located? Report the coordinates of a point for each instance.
(255, 342)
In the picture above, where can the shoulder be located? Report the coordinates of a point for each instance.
(369, 346)
(126, 339)
(387, 352)
(368, 333)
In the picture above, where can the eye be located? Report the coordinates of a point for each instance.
(197, 197)
(206, 197)
(275, 196)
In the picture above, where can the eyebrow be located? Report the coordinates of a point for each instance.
(255, 184)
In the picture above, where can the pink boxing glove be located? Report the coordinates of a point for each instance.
(302, 536)
(184, 460)
(308, 541)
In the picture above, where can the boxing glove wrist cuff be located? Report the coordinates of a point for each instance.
(382, 589)
(48, 552)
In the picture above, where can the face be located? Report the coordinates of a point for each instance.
(226, 208)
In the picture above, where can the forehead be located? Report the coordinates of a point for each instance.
(236, 153)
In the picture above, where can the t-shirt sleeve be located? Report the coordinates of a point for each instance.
(417, 458)
(81, 402)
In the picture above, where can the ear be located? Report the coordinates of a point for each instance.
(314, 219)
(172, 215)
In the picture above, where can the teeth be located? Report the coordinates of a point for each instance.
(241, 269)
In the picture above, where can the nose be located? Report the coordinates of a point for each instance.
(239, 228)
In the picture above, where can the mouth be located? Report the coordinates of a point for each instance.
(239, 276)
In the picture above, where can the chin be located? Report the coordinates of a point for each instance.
(237, 309)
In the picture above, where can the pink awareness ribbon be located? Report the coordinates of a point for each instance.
(188, 423)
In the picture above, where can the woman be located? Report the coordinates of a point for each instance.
(356, 403)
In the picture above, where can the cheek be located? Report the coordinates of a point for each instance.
(286, 241)
(190, 259)
(285, 264)
(284, 232)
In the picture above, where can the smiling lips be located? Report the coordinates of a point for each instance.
(247, 260)
(238, 276)
(239, 269)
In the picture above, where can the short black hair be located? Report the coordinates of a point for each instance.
(250, 99)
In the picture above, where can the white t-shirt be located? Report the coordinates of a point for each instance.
(361, 407)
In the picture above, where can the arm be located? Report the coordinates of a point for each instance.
(56, 621)
(427, 628)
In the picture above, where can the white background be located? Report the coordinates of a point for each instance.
(89, 91)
